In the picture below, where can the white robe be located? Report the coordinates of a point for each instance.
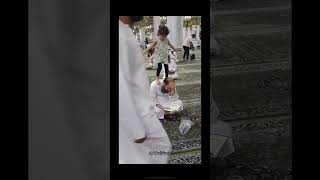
(163, 99)
(136, 118)
(172, 66)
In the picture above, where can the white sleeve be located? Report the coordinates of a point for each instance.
(153, 92)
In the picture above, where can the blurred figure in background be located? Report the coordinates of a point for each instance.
(187, 44)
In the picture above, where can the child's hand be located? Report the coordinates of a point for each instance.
(158, 82)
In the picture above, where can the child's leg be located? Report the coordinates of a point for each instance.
(159, 69)
(166, 69)
(158, 73)
(188, 51)
(185, 52)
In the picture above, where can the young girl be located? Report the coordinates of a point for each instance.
(161, 46)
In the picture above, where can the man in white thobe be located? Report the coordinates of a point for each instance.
(164, 95)
(187, 44)
(140, 132)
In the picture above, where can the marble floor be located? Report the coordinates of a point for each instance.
(251, 84)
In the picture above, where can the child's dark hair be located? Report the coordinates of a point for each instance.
(163, 30)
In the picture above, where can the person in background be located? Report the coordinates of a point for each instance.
(152, 64)
(187, 43)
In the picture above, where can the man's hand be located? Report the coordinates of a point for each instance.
(140, 140)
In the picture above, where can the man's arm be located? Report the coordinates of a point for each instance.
(191, 44)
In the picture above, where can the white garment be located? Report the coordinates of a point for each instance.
(173, 59)
(163, 99)
(218, 127)
(136, 118)
(172, 66)
(187, 42)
